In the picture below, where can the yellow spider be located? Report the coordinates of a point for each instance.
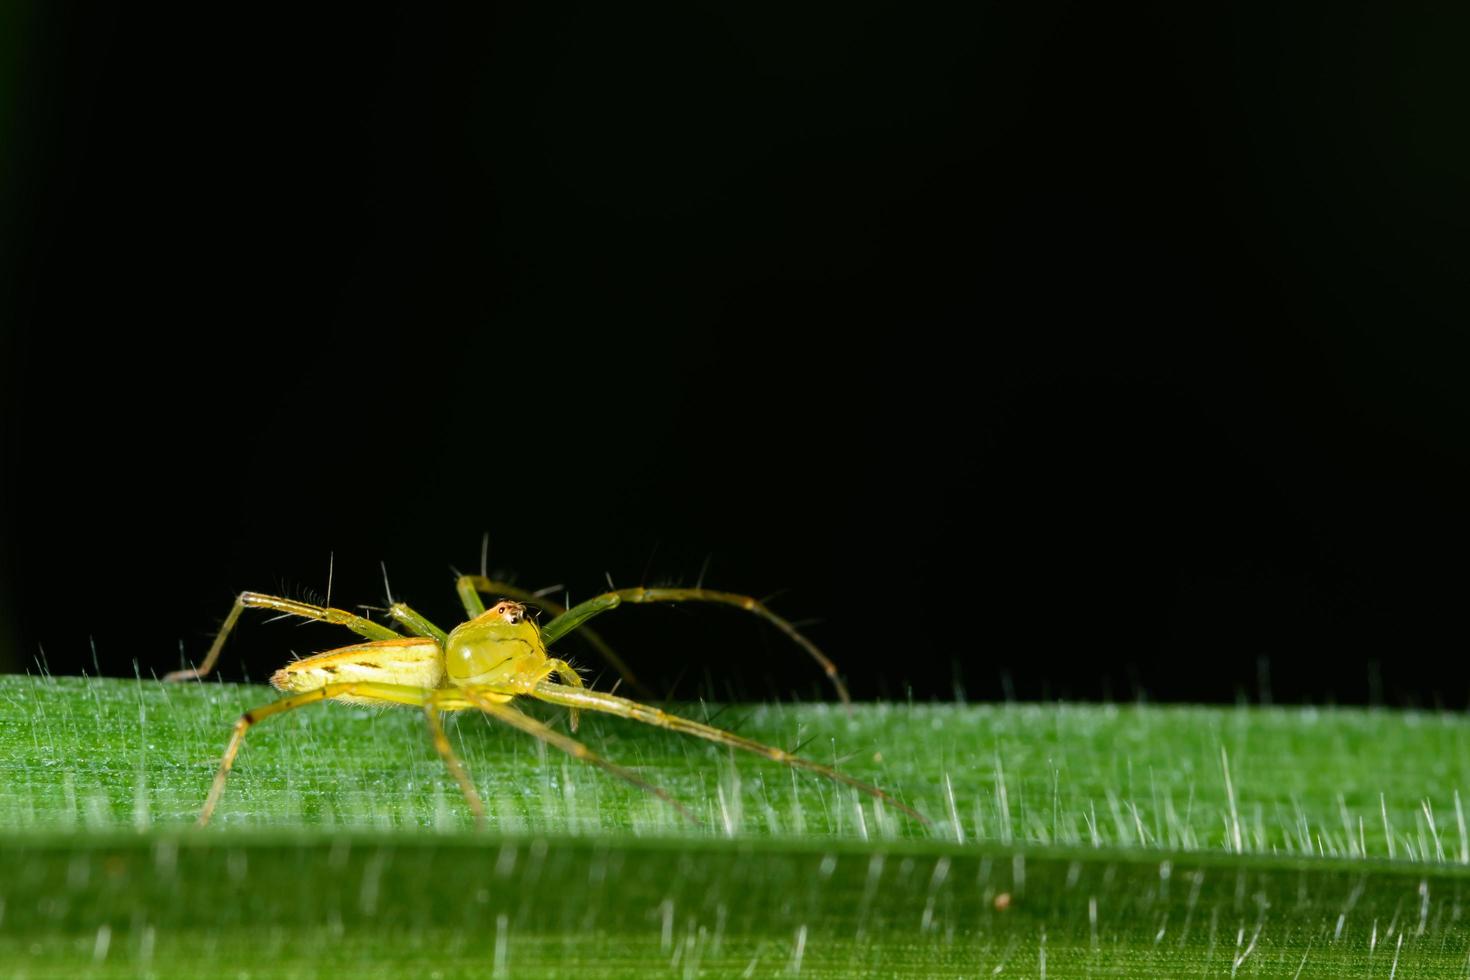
(484, 663)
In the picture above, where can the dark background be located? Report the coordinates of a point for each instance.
(1026, 350)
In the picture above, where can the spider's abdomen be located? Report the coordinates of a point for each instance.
(411, 661)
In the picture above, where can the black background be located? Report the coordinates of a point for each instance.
(1028, 350)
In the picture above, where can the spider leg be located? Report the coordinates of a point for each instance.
(469, 588)
(392, 693)
(624, 708)
(432, 706)
(485, 701)
(583, 611)
(569, 677)
(289, 607)
(416, 622)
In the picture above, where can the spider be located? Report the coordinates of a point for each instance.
(497, 655)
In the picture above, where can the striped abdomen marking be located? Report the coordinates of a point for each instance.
(411, 661)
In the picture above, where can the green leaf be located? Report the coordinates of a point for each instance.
(1068, 841)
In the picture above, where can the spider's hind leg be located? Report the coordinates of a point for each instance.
(287, 607)
(389, 693)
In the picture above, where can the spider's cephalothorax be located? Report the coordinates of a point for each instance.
(501, 644)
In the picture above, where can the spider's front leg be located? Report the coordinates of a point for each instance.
(647, 714)
(574, 618)
(287, 607)
(494, 703)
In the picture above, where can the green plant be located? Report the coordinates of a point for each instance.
(1069, 840)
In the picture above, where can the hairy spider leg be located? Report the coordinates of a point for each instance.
(416, 623)
(469, 588)
(432, 707)
(487, 701)
(391, 693)
(571, 678)
(583, 611)
(624, 708)
(288, 607)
